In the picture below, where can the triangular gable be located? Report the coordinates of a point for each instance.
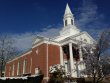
(84, 36)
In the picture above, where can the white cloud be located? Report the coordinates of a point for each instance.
(24, 41)
(88, 13)
(88, 19)
(50, 32)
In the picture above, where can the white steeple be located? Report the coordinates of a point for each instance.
(69, 28)
(68, 16)
(67, 10)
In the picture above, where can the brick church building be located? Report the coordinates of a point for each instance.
(65, 49)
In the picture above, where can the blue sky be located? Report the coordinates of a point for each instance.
(26, 18)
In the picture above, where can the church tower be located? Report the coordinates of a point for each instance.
(68, 17)
(69, 28)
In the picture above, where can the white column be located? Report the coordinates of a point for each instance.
(81, 65)
(80, 54)
(71, 58)
(61, 55)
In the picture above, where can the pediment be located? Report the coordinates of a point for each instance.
(85, 37)
(37, 39)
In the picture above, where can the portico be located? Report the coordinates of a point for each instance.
(71, 55)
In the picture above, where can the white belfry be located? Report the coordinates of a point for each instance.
(68, 17)
(69, 28)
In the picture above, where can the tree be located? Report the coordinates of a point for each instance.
(57, 74)
(95, 58)
(7, 50)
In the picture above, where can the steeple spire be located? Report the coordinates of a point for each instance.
(67, 10)
(68, 16)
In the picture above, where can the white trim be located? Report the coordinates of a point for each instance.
(31, 65)
(47, 60)
(49, 42)
(73, 73)
(24, 66)
(13, 69)
(61, 56)
(9, 70)
(89, 36)
(18, 67)
(38, 44)
(71, 57)
(45, 78)
(20, 56)
(67, 42)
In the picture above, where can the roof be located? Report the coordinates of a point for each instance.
(67, 10)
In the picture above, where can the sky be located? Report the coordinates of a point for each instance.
(25, 19)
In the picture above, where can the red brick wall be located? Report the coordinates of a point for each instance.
(39, 59)
(7, 70)
(15, 62)
(54, 54)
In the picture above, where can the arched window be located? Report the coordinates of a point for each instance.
(65, 22)
(71, 21)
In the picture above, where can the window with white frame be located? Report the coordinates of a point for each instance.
(13, 69)
(31, 65)
(10, 71)
(18, 69)
(24, 66)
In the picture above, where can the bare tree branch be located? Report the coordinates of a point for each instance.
(95, 58)
(7, 50)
